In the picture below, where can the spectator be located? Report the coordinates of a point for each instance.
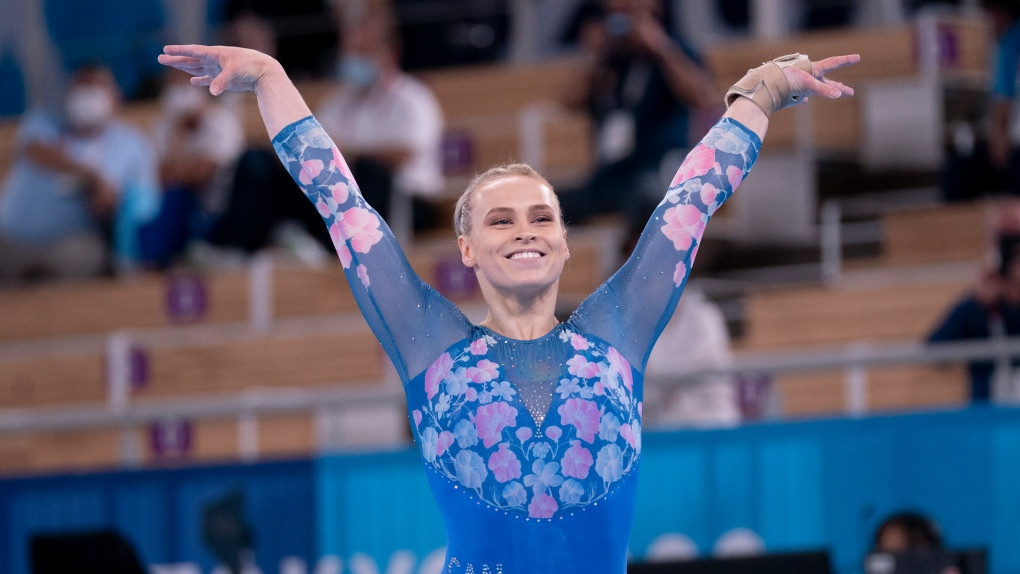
(388, 122)
(991, 308)
(198, 140)
(639, 91)
(79, 179)
(696, 338)
(907, 532)
(979, 162)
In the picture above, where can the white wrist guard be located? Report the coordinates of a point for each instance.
(766, 85)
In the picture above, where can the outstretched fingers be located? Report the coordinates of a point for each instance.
(835, 62)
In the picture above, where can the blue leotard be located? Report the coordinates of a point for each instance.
(531, 447)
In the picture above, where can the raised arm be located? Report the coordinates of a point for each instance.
(413, 322)
(640, 298)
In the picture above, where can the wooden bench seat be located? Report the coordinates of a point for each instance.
(939, 234)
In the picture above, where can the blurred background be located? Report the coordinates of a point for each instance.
(187, 386)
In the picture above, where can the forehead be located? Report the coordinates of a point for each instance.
(514, 191)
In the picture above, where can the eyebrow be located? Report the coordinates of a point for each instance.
(531, 209)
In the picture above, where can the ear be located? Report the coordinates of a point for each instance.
(466, 257)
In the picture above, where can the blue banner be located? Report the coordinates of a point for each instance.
(792, 486)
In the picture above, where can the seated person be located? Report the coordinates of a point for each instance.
(991, 308)
(388, 122)
(199, 140)
(79, 178)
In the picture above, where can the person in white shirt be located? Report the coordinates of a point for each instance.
(388, 122)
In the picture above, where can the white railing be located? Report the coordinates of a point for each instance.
(854, 360)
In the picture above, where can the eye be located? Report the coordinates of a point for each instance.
(500, 221)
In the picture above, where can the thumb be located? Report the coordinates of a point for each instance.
(220, 82)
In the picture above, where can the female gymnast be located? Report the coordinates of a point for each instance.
(529, 428)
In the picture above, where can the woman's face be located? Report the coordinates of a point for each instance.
(517, 244)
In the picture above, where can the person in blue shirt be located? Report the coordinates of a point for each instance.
(66, 191)
(529, 428)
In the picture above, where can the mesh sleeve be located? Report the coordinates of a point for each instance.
(414, 323)
(633, 306)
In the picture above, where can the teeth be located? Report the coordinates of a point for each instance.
(526, 255)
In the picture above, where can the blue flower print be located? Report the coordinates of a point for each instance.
(312, 135)
(571, 491)
(457, 383)
(443, 405)
(514, 494)
(470, 469)
(541, 449)
(546, 476)
(465, 433)
(728, 141)
(609, 428)
(609, 463)
(503, 390)
(568, 387)
(429, 439)
(484, 397)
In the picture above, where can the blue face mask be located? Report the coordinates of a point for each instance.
(358, 71)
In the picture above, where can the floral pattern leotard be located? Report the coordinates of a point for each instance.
(531, 447)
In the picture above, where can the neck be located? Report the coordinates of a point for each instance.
(522, 318)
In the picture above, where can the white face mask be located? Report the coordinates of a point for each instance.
(181, 99)
(359, 71)
(88, 107)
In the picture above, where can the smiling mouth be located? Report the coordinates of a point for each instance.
(524, 255)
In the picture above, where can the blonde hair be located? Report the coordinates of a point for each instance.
(462, 211)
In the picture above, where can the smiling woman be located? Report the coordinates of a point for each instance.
(530, 429)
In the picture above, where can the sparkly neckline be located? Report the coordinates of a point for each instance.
(552, 333)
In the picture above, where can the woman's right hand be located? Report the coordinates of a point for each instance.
(221, 68)
(224, 68)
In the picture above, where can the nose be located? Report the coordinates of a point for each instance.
(525, 234)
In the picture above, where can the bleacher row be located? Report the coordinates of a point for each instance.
(53, 339)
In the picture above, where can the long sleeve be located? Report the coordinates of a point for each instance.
(633, 306)
(413, 322)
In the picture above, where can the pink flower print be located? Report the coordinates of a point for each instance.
(631, 432)
(444, 442)
(584, 415)
(340, 192)
(581, 367)
(416, 414)
(708, 194)
(491, 419)
(504, 464)
(554, 432)
(579, 343)
(620, 366)
(310, 169)
(363, 275)
(361, 227)
(322, 208)
(577, 461)
(698, 162)
(542, 506)
(471, 394)
(736, 175)
(523, 434)
(680, 273)
(483, 372)
(683, 224)
(339, 163)
(342, 250)
(478, 346)
(437, 371)
(599, 389)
